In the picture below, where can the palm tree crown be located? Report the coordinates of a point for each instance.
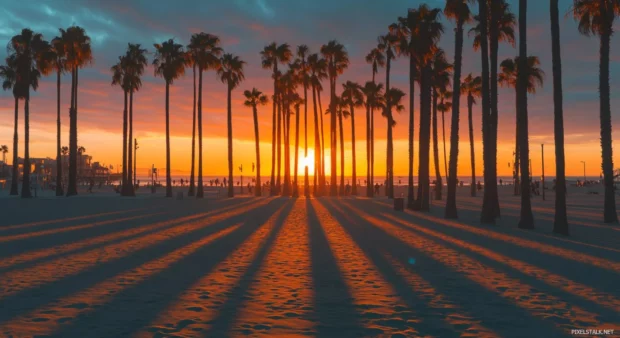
(509, 70)
(170, 60)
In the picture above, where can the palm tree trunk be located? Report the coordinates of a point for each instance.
(438, 180)
(168, 177)
(26, 175)
(272, 183)
(317, 145)
(323, 177)
(451, 210)
(231, 192)
(443, 135)
(124, 181)
(560, 221)
(527, 218)
(257, 190)
(390, 154)
(516, 164)
(472, 154)
(279, 150)
(494, 43)
(333, 138)
(422, 202)
(487, 215)
(130, 183)
(354, 170)
(72, 186)
(59, 189)
(372, 140)
(610, 215)
(296, 162)
(286, 191)
(369, 190)
(200, 193)
(340, 126)
(192, 183)
(15, 173)
(410, 193)
(306, 180)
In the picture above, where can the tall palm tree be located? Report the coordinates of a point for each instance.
(60, 65)
(302, 57)
(318, 72)
(596, 17)
(375, 100)
(395, 97)
(508, 78)
(353, 96)
(430, 31)
(444, 106)
(408, 45)
(460, 13)
(287, 87)
(81, 150)
(526, 220)
(79, 54)
(296, 101)
(500, 27)
(253, 99)
(120, 78)
(472, 87)
(487, 214)
(136, 63)
(192, 182)
(376, 58)
(560, 221)
(341, 113)
(169, 62)
(272, 55)
(230, 72)
(440, 79)
(9, 75)
(32, 58)
(205, 51)
(389, 44)
(337, 62)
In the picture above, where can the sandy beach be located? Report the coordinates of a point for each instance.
(99, 265)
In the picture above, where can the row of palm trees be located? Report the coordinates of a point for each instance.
(415, 36)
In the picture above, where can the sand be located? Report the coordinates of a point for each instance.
(99, 265)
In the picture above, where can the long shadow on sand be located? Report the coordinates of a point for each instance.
(21, 302)
(485, 306)
(164, 288)
(333, 303)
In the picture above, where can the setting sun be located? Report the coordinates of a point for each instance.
(306, 161)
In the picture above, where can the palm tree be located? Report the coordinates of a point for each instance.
(4, 149)
(318, 71)
(375, 100)
(271, 56)
(287, 86)
(230, 72)
(169, 62)
(302, 55)
(81, 150)
(296, 101)
(526, 218)
(120, 78)
(443, 107)
(205, 51)
(440, 79)
(430, 30)
(9, 76)
(472, 87)
(79, 54)
(395, 97)
(253, 99)
(500, 27)
(341, 113)
(192, 183)
(596, 17)
(60, 65)
(337, 61)
(408, 48)
(353, 96)
(508, 78)
(136, 62)
(32, 58)
(64, 150)
(459, 11)
(376, 58)
(388, 44)
(560, 222)
(487, 214)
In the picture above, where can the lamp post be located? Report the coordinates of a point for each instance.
(542, 148)
(584, 172)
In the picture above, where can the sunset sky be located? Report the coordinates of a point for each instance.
(245, 27)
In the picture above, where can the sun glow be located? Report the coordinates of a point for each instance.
(307, 161)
